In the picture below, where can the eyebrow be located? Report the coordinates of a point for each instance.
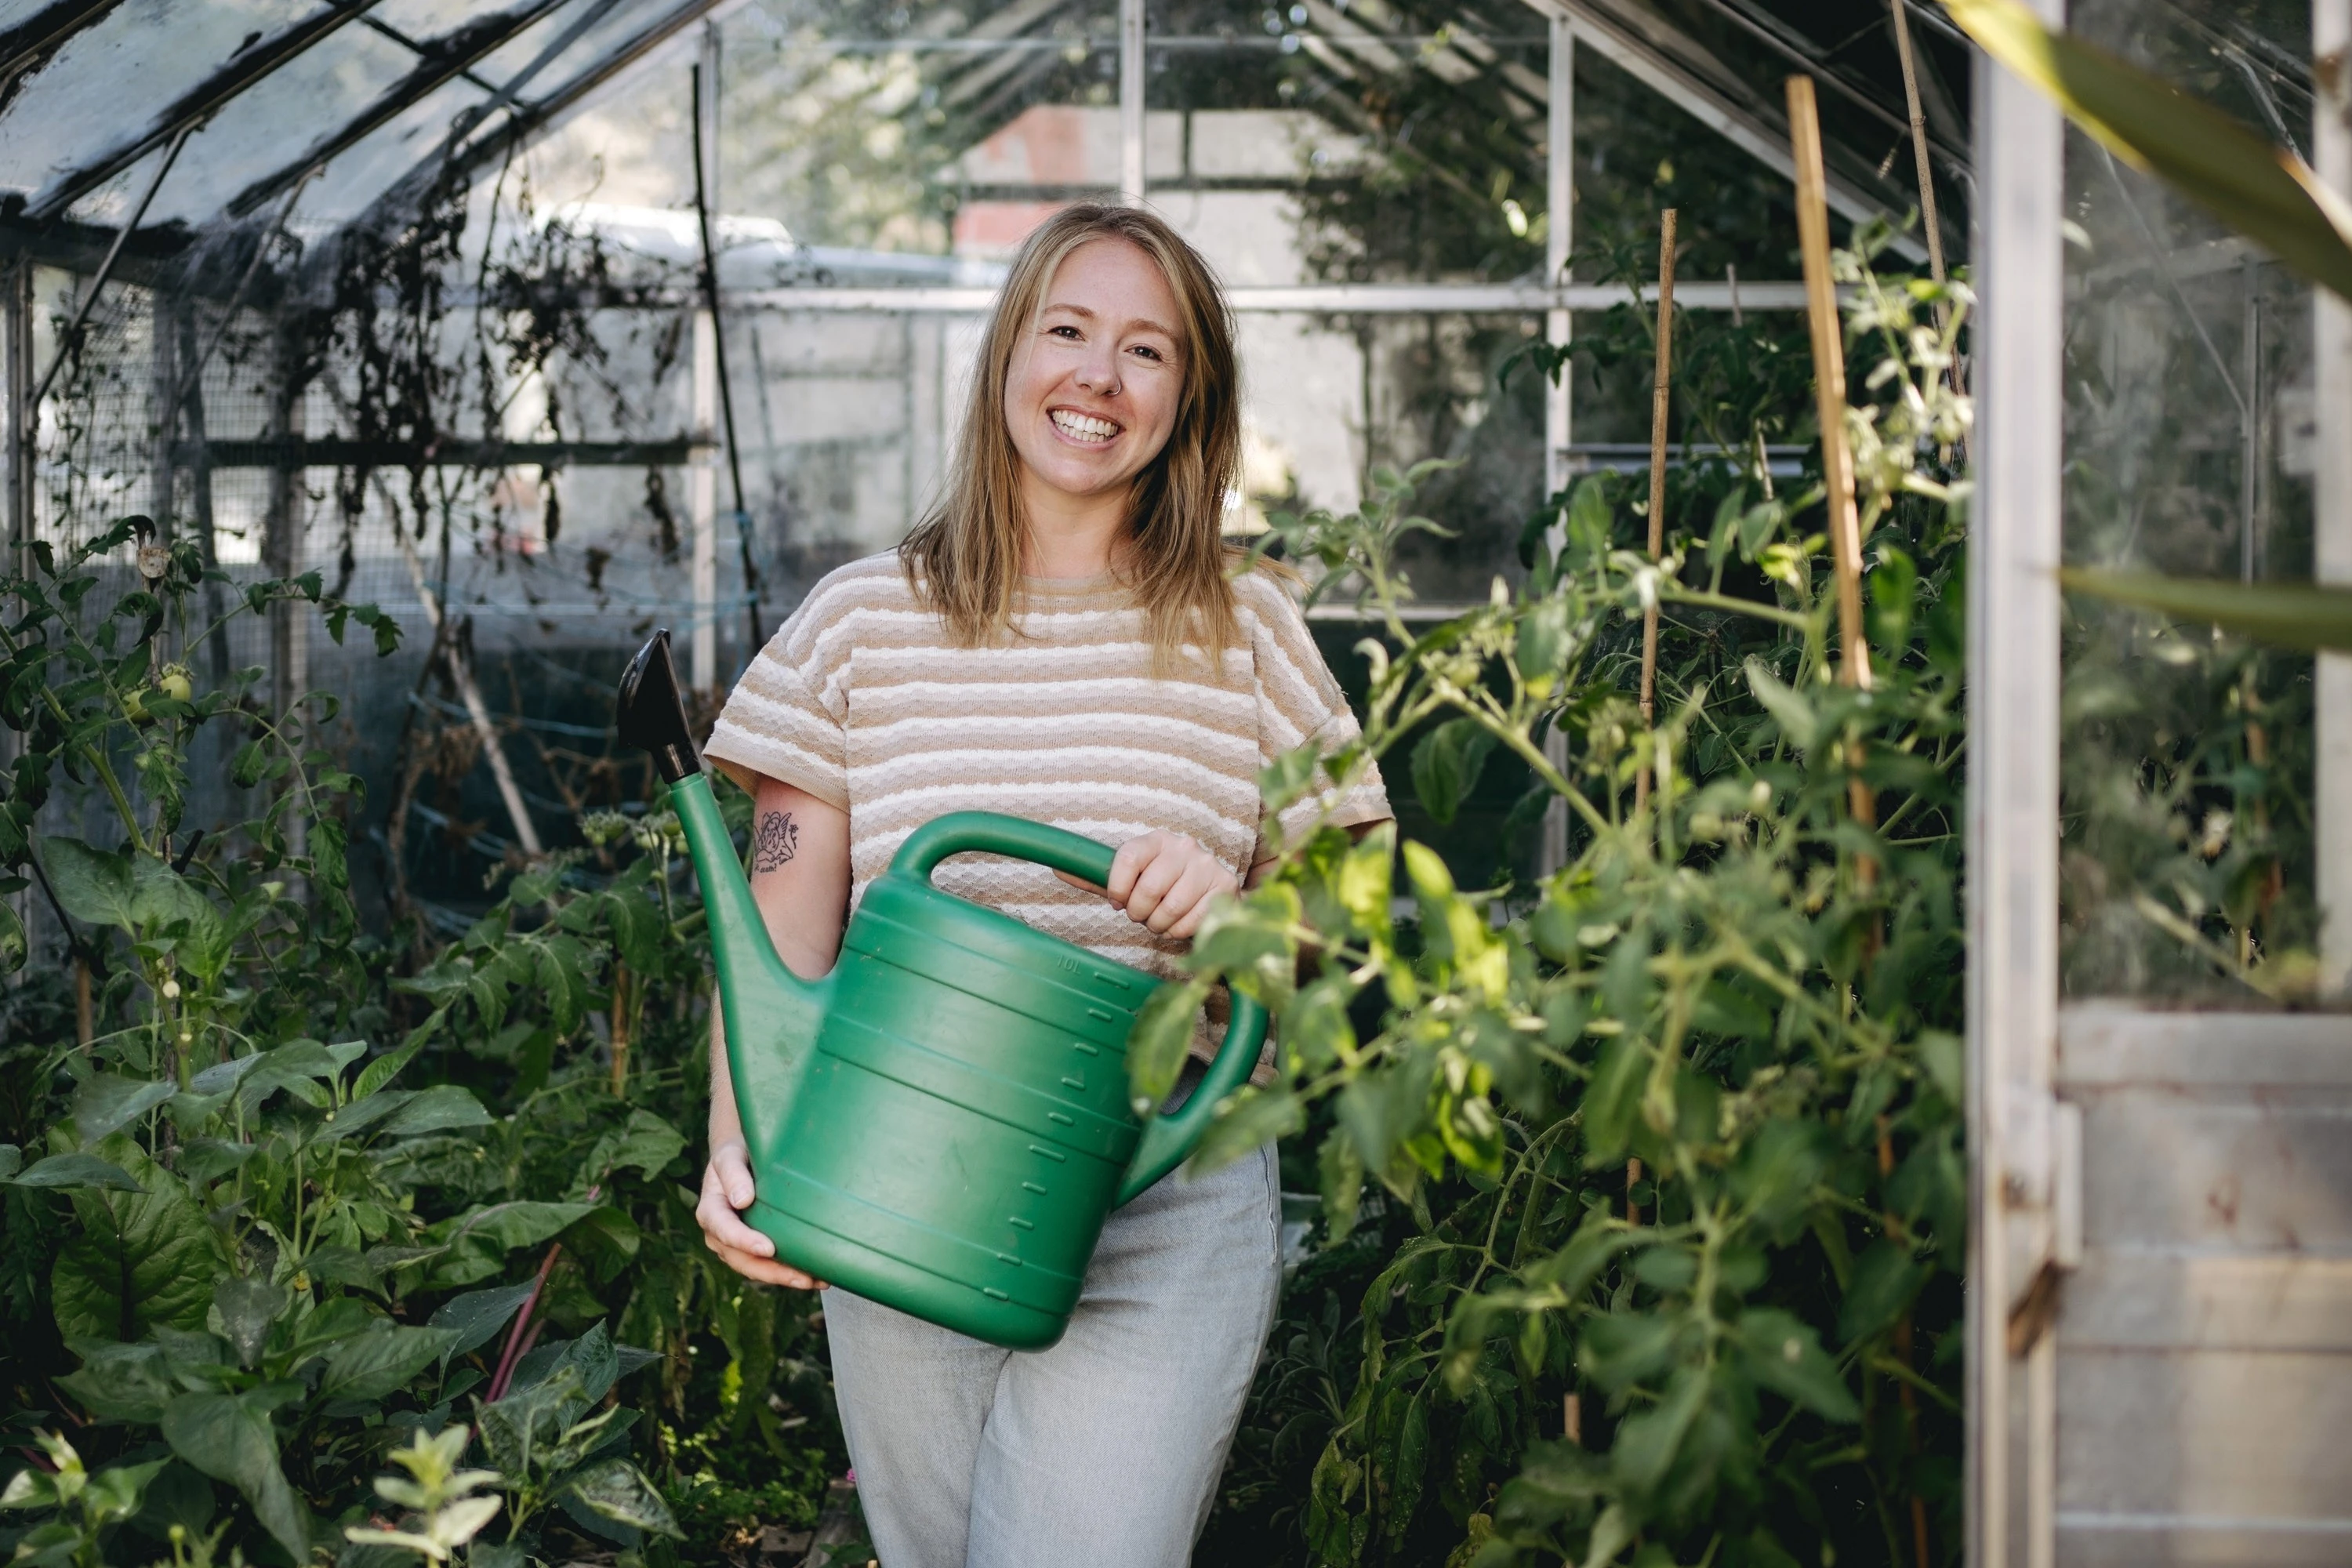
(1145, 323)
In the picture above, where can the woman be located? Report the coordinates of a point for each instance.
(1059, 639)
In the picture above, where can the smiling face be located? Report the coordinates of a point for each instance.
(1092, 393)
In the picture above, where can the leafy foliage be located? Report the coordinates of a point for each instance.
(297, 1201)
(1642, 1184)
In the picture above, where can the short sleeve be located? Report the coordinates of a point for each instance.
(1299, 702)
(787, 718)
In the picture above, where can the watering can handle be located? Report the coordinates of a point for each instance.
(960, 832)
(1169, 1138)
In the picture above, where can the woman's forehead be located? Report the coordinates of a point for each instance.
(1112, 280)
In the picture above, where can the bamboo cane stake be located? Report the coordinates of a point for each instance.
(620, 1029)
(1926, 175)
(1660, 397)
(1918, 141)
(1829, 379)
(1828, 393)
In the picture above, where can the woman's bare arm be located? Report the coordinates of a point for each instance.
(800, 879)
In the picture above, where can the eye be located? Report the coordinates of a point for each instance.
(1063, 329)
(1147, 352)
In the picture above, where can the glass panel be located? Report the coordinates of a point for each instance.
(2186, 860)
(1306, 143)
(878, 133)
(359, 175)
(261, 130)
(594, 44)
(83, 102)
(1328, 398)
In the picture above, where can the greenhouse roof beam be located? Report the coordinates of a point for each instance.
(1807, 57)
(29, 39)
(444, 60)
(525, 121)
(383, 30)
(1752, 132)
(199, 104)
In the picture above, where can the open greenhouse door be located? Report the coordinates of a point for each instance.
(2161, 1332)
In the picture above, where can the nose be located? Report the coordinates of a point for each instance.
(1098, 373)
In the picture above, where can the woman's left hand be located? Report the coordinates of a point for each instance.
(1165, 881)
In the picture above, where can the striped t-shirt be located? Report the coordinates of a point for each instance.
(862, 701)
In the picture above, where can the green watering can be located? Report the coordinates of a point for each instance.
(942, 1123)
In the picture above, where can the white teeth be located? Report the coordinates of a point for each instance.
(1082, 427)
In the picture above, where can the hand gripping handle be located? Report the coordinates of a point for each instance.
(1167, 1139)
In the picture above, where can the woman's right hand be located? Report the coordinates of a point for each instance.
(726, 1188)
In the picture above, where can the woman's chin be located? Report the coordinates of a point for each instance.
(1080, 480)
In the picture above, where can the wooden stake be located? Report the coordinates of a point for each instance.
(1829, 378)
(1919, 143)
(620, 1029)
(1661, 388)
(1829, 397)
(1633, 1175)
(1926, 175)
(1572, 1418)
(85, 1007)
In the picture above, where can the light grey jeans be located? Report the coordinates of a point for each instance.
(1101, 1452)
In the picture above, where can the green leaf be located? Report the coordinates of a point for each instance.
(2261, 191)
(162, 898)
(93, 885)
(247, 1307)
(385, 1068)
(1315, 1032)
(1156, 1044)
(1619, 1349)
(1446, 765)
(1614, 1098)
(1788, 707)
(1249, 1118)
(1648, 1441)
(440, 1109)
(75, 1171)
(108, 1103)
(225, 1075)
(616, 1490)
(474, 1246)
(13, 943)
(606, 1238)
(377, 1364)
(644, 1143)
(227, 1438)
(136, 1259)
(475, 1318)
(1784, 1355)
(1885, 1280)
(1574, 1268)
(121, 1383)
(1342, 1173)
(2309, 617)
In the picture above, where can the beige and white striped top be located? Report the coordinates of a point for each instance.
(861, 699)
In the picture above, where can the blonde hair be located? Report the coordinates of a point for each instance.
(964, 558)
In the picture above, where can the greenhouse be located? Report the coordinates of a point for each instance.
(1801, 956)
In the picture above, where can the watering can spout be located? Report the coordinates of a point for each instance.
(772, 1016)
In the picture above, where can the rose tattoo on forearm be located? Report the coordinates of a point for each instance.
(778, 840)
